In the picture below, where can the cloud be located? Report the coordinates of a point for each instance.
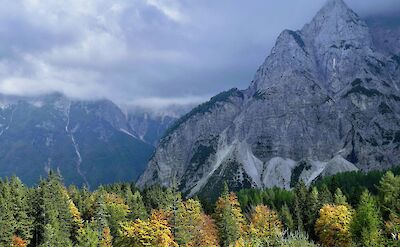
(150, 52)
(157, 102)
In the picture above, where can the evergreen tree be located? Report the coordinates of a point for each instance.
(88, 236)
(339, 198)
(117, 212)
(325, 195)
(20, 208)
(7, 221)
(188, 222)
(366, 223)
(101, 215)
(287, 218)
(311, 211)
(54, 237)
(54, 220)
(389, 193)
(230, 219)
(300, 202)
(136, 205)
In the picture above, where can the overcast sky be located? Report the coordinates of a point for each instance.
(152, 52)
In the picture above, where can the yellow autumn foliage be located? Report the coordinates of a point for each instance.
(153, 232)
(333, 225)
(265, 224)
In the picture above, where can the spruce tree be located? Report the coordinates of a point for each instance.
(287, 218)
(230, 219)
(88, 236)
(7, 221)
(300, 204)
(325, 195)
(54, 218)
(339, 198)
(20, 207)
(366, 225)
(136, 205)
(311, 211)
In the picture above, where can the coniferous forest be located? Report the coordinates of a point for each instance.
(349, 209)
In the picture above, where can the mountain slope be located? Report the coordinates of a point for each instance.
(90, 142)
(325, 100)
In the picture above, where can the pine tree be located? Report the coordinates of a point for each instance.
(117, 211)
(366, 223)
(7, 220)
(339, 198)
(389, 193)
(101, 215)
(136, 205)
(188, 222)
(54, 220)
(325, 195)
(311, 211)
(20, 208)
(88, 236)
(287, 218)
(230, 219)
(300, 202)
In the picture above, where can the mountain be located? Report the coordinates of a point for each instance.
(150, 125)
(326, 100)
(90, 142)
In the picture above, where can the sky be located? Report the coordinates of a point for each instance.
(152, 53)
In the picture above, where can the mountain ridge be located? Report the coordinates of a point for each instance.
(91, 142)
(324, 101)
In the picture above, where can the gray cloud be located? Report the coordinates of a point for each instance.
(152, 52)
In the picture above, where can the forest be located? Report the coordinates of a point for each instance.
(349, 209)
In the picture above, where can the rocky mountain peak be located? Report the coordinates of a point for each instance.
(335, 23)
(324, 101)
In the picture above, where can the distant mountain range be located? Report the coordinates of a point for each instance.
(326, 100)
(89, 142)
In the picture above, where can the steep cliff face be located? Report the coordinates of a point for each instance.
(325, 100)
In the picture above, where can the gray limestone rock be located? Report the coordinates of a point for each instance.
(326, 100)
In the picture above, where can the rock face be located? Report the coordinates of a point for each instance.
(149, 126)
(90, 142)
(326, 100)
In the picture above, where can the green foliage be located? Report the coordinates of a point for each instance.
(275, 198)
(352, 184)
(7, 220)
(339, 198)
(366, 225)
(136, 205)
(119, 215)
(88, 236)
(389, 188)
(287, 218)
